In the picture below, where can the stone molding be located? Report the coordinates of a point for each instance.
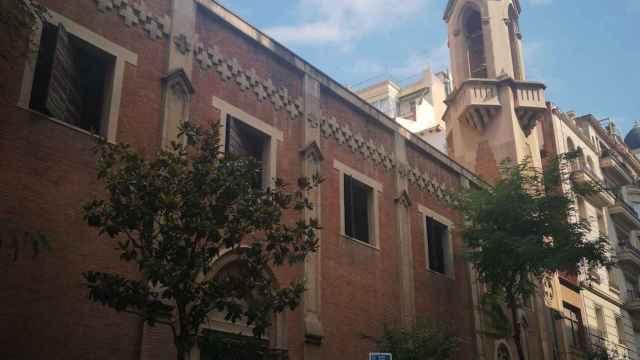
(136, 13)
(211, 58)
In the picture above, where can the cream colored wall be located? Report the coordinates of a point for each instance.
(496, 40)
(611, 311)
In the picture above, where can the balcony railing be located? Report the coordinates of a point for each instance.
(628, 256)
(619, 351)
(581, 173)
(612, 164)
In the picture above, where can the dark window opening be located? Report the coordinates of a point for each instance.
(357, 197)
(243, 141)
(71, 79)
(573, 326)
(437, 235)
(475, 44)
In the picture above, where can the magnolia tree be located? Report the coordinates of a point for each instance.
(527, 227)
(173, 215)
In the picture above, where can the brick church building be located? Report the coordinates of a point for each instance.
(131, 70)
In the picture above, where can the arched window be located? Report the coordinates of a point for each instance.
(472, 24)
(226, 339)
(514, 37)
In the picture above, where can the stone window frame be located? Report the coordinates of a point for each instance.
(448, 246)
(374, 205)
(113, 96)
(274, 135)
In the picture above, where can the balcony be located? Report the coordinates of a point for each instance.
(624, 214)
(582, 174)
(617, 351)
(615, 168)
(628, 257)
(530, 103)
(478, 101)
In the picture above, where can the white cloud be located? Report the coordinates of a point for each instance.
(335, 21)
(415, 63)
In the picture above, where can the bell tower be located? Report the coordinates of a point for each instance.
(493, 110)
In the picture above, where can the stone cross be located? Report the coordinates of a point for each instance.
(234, 66)
(152, 29)
(141, 9)
(242, 81)
(253, 77)
(223, 69)
(105, 5)
(324, 127)
(129, 16)
(165, 23)
(214, 54)
(261, 94)
(268, 85)
(277, 101)
(182, 44)
(292, 110)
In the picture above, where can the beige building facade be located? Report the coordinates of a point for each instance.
(418, 106)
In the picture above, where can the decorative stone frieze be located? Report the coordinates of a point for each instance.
(247, 79)
(211, 59)
(134, 14)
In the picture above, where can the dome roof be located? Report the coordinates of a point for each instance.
(633, 137)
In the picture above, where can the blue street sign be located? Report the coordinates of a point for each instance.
(380, 356)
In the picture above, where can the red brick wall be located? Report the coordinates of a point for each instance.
(47, 174)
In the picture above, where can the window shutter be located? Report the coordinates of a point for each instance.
(64, 100)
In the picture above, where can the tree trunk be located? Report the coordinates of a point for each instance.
(516, 329)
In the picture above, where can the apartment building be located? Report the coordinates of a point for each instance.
(602, 309)
(418, 105)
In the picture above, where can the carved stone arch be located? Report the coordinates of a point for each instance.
(502, 351)
(176, 104)
(515, 36)
(276, 335)
(471, 24)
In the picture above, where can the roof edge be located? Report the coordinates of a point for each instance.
(338, 89)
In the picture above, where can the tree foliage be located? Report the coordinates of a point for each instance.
(426, 340)
(18, 19)
(526, 227)
(175, 214)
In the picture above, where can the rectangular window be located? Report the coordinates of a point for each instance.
(601, 326)
(572, 325)
(244, 141)
(357, 209)
(613, 279)
(437, 237)
(71, 80)
(620, 328)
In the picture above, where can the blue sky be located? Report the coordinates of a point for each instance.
(586, 51)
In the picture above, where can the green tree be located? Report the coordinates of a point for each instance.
(526, 227)
(18, 19)
(175, 214)
(425, 340)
